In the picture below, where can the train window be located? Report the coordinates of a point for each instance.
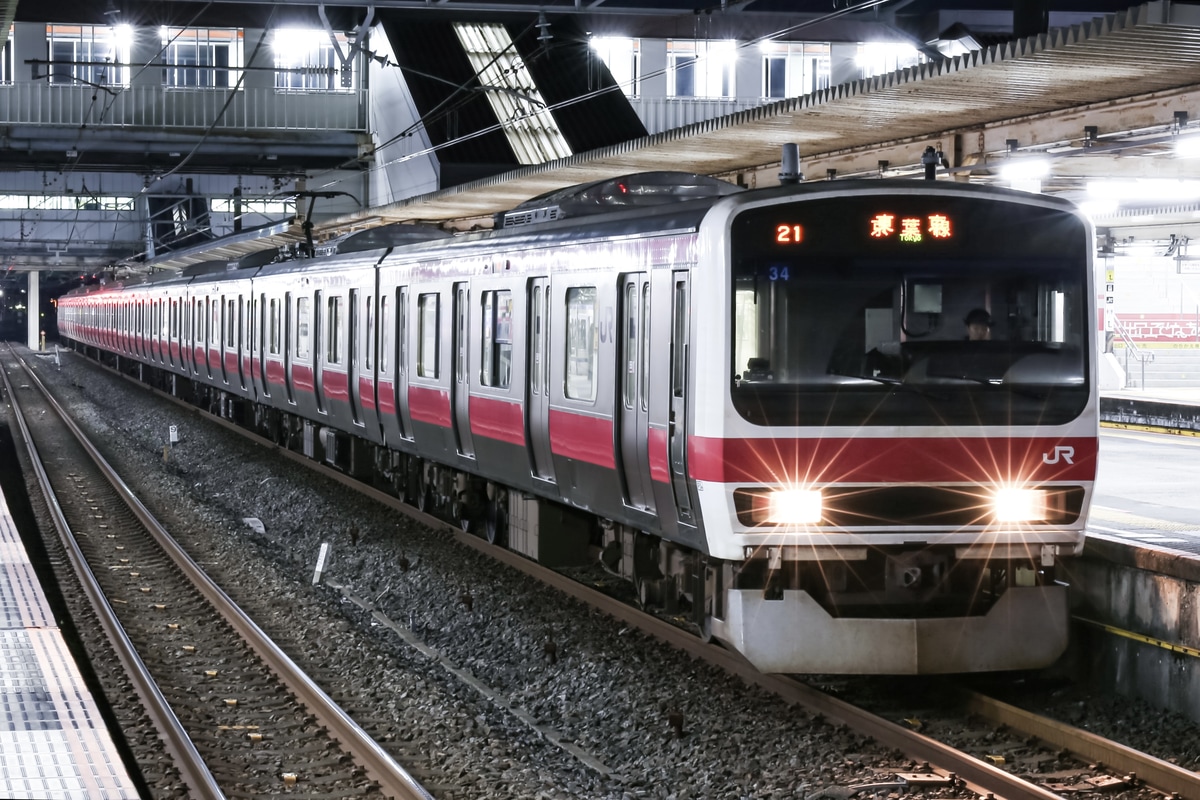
(231, 323)
(369, 350)
(333, 353)
(302, 327)
(846, 330)
(631, 345)
(385, 334)
(214, 330)
(402, 330)
(274, 316)
(496, 369)
(582, 343)
(645, 354)
(427, 335)
(460, 334)
(678, 336)
(536, 334)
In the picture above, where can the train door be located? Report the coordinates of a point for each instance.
(403, 410)
(319, 321)
(537, 419)
(354, 369)
(227, 326)
(460, 385)
(263, 323)
(677, 426)
(290, 342)
(633, 379)
(241, 347)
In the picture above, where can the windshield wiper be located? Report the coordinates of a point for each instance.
(897, 383)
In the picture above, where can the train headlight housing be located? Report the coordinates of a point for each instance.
(1020, 505)
(794, 507)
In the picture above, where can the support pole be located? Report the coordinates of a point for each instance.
(33, 305)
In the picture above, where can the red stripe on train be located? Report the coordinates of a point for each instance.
(660, 461)
(335, 386)
(429, 405)
(866, 460)
(498, 419)
(582, 437)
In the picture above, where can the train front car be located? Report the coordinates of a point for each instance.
(886, 488)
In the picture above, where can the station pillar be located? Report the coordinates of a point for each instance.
(33, 317)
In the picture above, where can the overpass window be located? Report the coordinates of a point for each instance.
(201, 57)
(792, 69)
(701, 68)
(311, 61)
(622, 56)
(94, 55)
(6, 59)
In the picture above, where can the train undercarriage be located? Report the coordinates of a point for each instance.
(919, 599)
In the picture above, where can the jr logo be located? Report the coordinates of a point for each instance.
(1061, 452)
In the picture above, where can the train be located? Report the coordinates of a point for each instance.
(759, 406)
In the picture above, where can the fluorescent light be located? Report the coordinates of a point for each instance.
(1187, 146)
(1144, 189)
(1023, 170)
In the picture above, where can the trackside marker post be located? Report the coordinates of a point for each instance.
(322, 557)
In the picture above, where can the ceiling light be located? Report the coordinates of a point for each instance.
(1187, 146)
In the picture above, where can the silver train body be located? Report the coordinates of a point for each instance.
(758, 406)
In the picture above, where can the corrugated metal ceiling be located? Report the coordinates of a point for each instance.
(1121, 58)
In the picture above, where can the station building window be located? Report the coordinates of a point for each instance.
(309, 61)
(792, 69)
(6, 59)
(701, 68)
(880, 58)
(622, 56)
(201, 57)
(97, 55)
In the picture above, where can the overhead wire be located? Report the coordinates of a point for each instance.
(849, 9)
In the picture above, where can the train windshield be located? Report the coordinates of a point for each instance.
(909, 310)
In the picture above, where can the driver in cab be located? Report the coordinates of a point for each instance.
(979, 325)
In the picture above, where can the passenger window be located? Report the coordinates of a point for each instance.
(427, 335)
(582, 343)
(302, 327)
(333, 354)
(496, 369)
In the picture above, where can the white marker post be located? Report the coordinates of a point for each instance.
(322, 557)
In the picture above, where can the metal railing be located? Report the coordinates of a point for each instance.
(153, 106)
(1131, 348)
(659, 114)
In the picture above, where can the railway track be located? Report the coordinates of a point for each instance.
(239, 717)
(939, 767)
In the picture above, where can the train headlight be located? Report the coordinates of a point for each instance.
(1019, 505)
(794, 506)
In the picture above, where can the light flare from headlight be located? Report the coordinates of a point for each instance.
(1019, 505)
(794, 507)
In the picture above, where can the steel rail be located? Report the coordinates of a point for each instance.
(186, 759)
(1157, 773)
(393, 780)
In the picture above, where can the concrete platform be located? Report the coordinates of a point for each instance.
(53, 741)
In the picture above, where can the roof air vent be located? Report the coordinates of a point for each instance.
(639, 190)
